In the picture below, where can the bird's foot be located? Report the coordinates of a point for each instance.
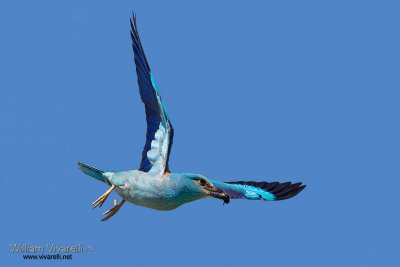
(100, 201)
(111, 212)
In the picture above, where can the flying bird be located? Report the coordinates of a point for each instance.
(153, 185)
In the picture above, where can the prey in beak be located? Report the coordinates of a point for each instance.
(219, 193)
(212, 190)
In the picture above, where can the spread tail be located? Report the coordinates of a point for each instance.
(91, 171)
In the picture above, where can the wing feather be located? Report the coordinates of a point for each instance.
(260, 190)
(159, 135)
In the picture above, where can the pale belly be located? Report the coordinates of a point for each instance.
(155, 192)
(153, 199)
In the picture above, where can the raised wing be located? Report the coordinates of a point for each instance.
(160, 133)
(260, 190)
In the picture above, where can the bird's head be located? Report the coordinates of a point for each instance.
(202, 186)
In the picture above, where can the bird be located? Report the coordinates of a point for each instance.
(153, 185)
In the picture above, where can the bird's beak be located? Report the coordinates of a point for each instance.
(219, 193)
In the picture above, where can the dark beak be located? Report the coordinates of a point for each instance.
(219, 193)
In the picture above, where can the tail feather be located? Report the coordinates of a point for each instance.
(91, 171)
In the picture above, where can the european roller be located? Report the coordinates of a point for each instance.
(153, 185)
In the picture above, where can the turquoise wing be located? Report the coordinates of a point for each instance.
(260, 190)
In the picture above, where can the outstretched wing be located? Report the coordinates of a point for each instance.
(260, 190)
(160, 133)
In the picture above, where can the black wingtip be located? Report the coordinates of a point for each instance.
(136, 43)
(291, 191)
(281, 191)
(133, 18)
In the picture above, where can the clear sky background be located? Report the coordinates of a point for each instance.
(256, 90)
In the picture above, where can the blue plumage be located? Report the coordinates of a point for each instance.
(154, 107)
(89, 170)
(153, 185)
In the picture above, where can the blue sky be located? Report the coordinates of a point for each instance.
(257, 90)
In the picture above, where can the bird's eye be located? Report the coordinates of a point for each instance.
(201, 182)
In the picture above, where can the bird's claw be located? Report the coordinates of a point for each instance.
(111, 212)
(100, 201)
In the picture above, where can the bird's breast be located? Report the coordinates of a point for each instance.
(156, 192)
